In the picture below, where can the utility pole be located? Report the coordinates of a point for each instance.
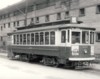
(26, 11)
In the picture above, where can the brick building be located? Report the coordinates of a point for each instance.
(42, 11)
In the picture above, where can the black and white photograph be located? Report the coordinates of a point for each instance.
(49, 39)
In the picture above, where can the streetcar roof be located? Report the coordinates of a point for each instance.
(62, 26)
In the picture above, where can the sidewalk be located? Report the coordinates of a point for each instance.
(96, 66)
(3, 55)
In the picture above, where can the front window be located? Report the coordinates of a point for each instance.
(36, 38)
(75, 37)
(85, 37)
(41, 38)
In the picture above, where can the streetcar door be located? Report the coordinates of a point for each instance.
(63, 38)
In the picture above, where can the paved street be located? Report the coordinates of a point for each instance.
(12, 69)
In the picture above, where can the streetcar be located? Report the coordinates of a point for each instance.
(56, 44)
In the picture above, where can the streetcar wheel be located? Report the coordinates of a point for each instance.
(46, 61)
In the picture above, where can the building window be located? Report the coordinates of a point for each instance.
(0, 17)
(4, 25)
(14, 23)
(97, 37)
(1, 28)
(82, 12)
(58, 16)
(17, 23)
(37, 19)
(8, 25)
(30, 8)
(15, 13)
(32, 20)
(7, 15)
(46, 18)
(66, 14)
(1, 38)
(98, 9)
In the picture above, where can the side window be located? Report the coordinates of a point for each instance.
(32, 38)
(52, 37)
(17, 39)
(24, 38)
(63, 36)
(41, 38)
(21, 39)
(36, 38)
(28, 38)
(46, 37)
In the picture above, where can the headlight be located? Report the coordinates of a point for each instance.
(85, 51)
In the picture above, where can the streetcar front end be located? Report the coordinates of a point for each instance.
(82, 46)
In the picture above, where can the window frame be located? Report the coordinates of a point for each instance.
(58, 16)
(97, 38)
(79, 37)
(47, 38)
(63, 39)
(82, 12)
(42, 40)
(98, 9)
(52, 38)
(87, 41)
